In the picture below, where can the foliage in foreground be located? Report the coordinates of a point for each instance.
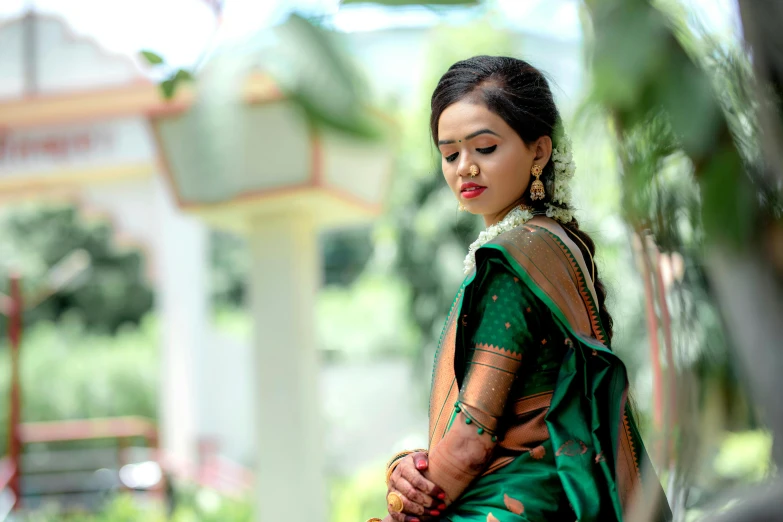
(200, 506)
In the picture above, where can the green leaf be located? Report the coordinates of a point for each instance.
(413, 2)
(169, 87)
(316, 73)
(152, 58)
(353, 123)
(184, 76)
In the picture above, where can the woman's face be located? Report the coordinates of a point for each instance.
(470, 134)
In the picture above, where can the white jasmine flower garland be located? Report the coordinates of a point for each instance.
(518, 216)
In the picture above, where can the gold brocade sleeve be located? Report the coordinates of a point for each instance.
(499, 339)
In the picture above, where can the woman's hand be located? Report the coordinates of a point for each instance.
(460, 457)
(422, 499)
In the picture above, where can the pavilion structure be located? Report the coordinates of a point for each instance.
(231, 151)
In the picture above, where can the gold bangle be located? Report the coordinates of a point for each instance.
(396, 457)
(391, 469)
(395, 461)
(374, 520)
(402, 454)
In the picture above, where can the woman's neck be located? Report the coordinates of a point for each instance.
(497, 217)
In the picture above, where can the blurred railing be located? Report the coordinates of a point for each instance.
(224, 476)
(90, 429)
(57, 472)
(7, 495)
(53, 469)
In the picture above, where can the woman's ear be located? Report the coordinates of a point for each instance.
(543, 150)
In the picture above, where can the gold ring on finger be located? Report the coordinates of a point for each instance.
(395, 502)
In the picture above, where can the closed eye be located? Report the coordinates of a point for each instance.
(487, 150)
(452, 157)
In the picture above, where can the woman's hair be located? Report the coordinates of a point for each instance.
(520, 94)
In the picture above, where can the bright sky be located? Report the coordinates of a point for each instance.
(181, 29)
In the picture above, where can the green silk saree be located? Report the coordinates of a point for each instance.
(569, 449)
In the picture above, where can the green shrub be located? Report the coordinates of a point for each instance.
(360, 497)
(34, 237)
(70, 373)
(201, 506)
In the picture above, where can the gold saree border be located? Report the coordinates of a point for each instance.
(532, 430)
(444, 390)
(489, 377)
(554, 269)
(532, 403)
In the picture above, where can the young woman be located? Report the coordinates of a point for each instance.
(528, 413)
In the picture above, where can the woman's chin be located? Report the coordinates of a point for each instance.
(477, 208)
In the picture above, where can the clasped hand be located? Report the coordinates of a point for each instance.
(422, 500)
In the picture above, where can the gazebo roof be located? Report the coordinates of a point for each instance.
(231, 146)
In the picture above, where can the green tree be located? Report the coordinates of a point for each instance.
(115, 291)
(651, 81)
(423, 225)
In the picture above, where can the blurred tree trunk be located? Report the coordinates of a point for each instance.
(761, 21)
(640, 68)
(749, 283)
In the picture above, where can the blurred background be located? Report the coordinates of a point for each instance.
(227, 252)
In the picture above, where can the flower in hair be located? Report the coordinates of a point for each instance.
(564, 171)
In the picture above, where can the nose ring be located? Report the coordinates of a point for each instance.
(474, 171)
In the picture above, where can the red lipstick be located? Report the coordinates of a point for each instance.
(471, 190)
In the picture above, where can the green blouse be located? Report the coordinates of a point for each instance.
(506, 320)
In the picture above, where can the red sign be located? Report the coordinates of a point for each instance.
(55, 147)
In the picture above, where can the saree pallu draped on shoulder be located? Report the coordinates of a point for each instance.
(444, 391)
(598, 453)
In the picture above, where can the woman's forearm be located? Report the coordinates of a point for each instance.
(461, 456)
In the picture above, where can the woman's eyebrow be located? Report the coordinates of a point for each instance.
(469, 136)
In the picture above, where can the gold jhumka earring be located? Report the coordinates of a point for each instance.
(461, 207)
(474, 171)
(537, 187)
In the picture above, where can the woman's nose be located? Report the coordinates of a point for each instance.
(463, 169)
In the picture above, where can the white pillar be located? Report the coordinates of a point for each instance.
(182, 302)
(283, 282)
